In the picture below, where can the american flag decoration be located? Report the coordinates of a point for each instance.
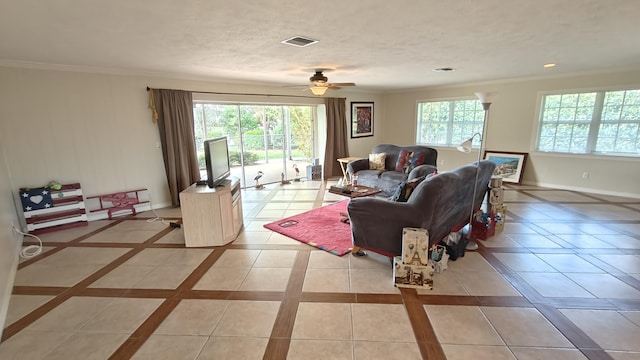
(36, 199)
(46, 209)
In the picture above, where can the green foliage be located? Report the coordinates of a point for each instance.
(253, 139)
(249, 158)
(201, 161)
(300, 122)
(259, 129)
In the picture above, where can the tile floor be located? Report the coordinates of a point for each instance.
(562, 281)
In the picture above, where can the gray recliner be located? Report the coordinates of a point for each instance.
(440, 204)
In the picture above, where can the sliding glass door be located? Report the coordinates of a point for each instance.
(269, 142)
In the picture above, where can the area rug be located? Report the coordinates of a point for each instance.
(320, 228)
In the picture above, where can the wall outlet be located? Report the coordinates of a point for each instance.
(585, 175)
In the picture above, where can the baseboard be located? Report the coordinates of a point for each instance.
(585, 190)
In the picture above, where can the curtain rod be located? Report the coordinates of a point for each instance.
(245, 94)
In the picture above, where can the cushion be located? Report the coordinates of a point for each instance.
(408, 160)
(405, 189)
(376, 161)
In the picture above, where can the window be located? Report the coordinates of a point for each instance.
(591, 123)
(449, 123)
(277, 140)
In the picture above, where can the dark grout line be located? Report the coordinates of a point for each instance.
(78, 287)
(36, 314)
(626, 304)
(283, 326)
(425, 335)
(582, 303)
(337, 298)
(571, 331)
(197, 274)
(144, 331)
(59, 246)
(39, 257)
(618, 274)
(378, 298)
(290, 299)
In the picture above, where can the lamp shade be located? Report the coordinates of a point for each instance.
(318, 90)
(485, 97)
(466, 145)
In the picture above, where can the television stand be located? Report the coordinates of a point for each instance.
(211, 216)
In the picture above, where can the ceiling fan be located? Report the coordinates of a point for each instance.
(320, 84)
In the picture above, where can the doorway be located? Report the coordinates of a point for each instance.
(272, 142)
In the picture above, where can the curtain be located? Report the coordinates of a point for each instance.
(174, 112)
(337, 146)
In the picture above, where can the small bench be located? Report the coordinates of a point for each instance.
(118, 204)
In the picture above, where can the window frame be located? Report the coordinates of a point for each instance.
(477, 124)
(594, 123)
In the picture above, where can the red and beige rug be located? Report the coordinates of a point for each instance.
(320, 228)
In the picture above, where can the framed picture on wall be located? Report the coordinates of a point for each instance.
(509, 165)
(361, 119)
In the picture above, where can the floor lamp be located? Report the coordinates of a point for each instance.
(465, 146)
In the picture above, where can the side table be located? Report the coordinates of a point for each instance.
(343, 163)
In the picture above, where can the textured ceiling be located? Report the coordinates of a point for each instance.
(380, 45)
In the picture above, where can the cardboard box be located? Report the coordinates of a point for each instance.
(500, 213)
(314, 172)
(415, 246)
(412, 276)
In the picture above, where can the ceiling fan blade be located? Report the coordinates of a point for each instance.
(342, 84)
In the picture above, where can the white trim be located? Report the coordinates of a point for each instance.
(584, 156)
(581, 189)
(593, 136)
(241, 99)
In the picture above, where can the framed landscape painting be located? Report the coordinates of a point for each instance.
(509, 165)
(361, 119)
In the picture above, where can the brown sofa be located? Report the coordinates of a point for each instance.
(389, 179)
(439, 204)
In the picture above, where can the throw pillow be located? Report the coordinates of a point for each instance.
(408, 160)
(405, 189)
(376, 161)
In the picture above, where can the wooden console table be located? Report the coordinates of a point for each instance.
(211, 216)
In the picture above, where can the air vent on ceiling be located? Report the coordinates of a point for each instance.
(299, 41)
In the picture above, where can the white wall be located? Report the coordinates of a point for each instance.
(9, 242)
(512, 126)
(95, 129)
(79, 127)
(361, 146)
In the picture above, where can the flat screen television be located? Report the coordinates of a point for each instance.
(216, 155)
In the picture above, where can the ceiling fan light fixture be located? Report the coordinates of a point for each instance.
(318, 90)
(318, 78)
